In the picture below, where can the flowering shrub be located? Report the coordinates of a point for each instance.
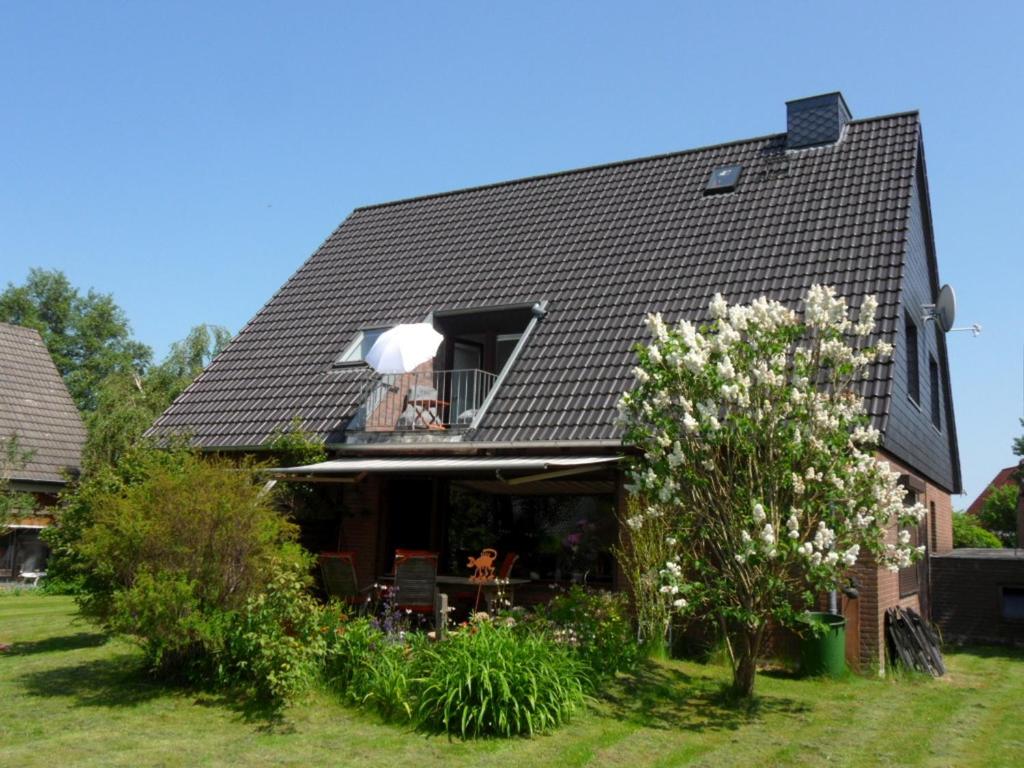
(753, 437)
(594, 625)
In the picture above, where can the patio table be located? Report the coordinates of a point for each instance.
(467, 581)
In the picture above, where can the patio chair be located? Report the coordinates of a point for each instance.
(338, 571)
(415, 580)
(505, 572)
(505, 569)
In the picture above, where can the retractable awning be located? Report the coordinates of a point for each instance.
(504, 467)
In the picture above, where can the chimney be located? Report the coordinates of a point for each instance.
(815, 120)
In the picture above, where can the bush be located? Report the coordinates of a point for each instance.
(491, 680)
(370, 668)
(596, 626)
(967, 532)
(275, 645)
(172, 555)
(999, 513)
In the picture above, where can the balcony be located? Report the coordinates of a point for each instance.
(432, 401)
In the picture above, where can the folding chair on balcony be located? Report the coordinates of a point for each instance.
(416, 580)
(338, 571)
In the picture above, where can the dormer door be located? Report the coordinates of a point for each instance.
(466, 384)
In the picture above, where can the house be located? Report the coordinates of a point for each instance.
(1006, 476)
(508, 438)
(37, 410)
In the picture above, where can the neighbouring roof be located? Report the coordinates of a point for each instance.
(602, 246)
(35, 406)
(1005, 476)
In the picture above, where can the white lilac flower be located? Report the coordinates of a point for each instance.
(718, 307)
(759, 515)
(679, 602)
(850, 555)
(656, 326)
(690, 424)
(866, 319)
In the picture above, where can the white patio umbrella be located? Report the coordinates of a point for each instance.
(402, 348)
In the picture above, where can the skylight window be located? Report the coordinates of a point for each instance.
(356, 351)
(723, 179)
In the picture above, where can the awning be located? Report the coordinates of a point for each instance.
(506, 468)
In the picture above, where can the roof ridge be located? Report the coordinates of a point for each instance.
(602, 166)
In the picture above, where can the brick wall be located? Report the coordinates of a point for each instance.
(968, 589)
(880, 588)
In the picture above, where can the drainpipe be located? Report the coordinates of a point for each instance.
(833, 602)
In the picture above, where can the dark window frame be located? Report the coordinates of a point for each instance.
(913, 351)
(933, 526)
(934, 383)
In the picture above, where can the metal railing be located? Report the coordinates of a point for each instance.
(426, 400)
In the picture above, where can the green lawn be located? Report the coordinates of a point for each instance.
(70, 698)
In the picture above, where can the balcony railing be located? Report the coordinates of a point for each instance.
(425, 400)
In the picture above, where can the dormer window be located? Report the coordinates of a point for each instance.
(360, 346)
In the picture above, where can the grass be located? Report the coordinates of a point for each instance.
(70, 697)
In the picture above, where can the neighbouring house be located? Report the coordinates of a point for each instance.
(36, 408)
(1007, 476)
(508, 437)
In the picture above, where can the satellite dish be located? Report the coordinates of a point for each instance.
(945, 308)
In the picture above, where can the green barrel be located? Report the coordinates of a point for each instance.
(823, 646)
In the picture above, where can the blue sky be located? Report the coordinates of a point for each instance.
(188, 158)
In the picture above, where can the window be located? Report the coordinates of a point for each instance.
(360, 346)
(913, 373)
(933, 526)
(933, 383)
(505, 343)
(1013, 603)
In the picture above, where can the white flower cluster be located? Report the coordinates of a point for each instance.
(823, 309)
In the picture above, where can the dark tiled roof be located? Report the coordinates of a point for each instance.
(602, 246)
(35, 406)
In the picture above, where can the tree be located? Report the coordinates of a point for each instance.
(1018, 443)
(127, 402)
(999, 513)
(115, 454)
(750, 432)
(87, 336)
(12, 458)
